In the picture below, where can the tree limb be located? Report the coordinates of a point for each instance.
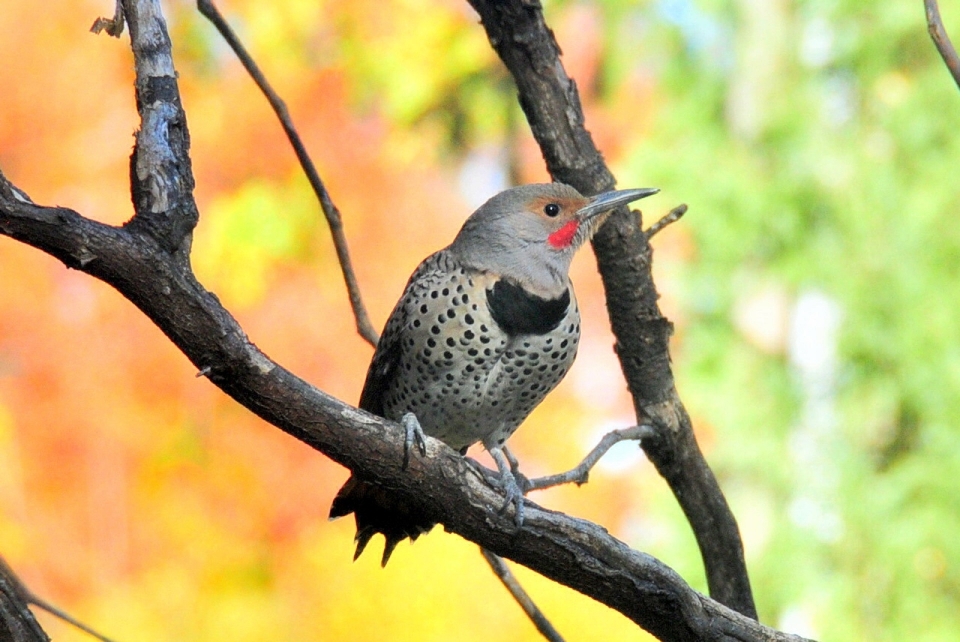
(570, 551)
(941, 39)
(147, 261)
(671, 217)
(17, 623)
(14, 590)
(330, 211)
(549, 98)
(509, 580)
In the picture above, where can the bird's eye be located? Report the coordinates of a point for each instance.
(551, 210)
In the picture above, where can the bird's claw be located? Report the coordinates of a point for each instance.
(508, 483)
(413, 435)
(513, 495)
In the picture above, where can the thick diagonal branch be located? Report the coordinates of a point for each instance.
(141, 262)
(550, 100)
(570, 551)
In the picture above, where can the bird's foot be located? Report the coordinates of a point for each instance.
(522, 480)
(413, 435)
(508, 484)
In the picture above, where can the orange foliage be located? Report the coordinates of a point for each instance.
(137, 495)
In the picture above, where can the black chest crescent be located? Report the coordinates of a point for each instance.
(517, 311)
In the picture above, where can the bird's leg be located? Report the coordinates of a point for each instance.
(507, 482)
(581, 473)
(520, 478)
(413, 435)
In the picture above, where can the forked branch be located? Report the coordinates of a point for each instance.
(147, 262)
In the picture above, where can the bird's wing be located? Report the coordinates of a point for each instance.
(386, 359)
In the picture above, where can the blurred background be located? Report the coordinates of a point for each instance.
(814, 285)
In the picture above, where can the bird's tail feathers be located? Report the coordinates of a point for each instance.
(377, 511)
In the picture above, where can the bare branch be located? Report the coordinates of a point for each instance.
(503, 573)
(450, 490)
(113, 26)
(146, 261)
(941, 39)
(27, 596)
(549, 98)
(160, 171)
(17, 622)
(580, 473)
(672, 217)
(330, 211)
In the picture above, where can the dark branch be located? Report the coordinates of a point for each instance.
(570, 551)
(330, 211)
(25, 596)
(580, 473)
(143, 263)
(550, 100)
(672, 216)
(503, 573)
(941, 39)
(17, 622)
(113, 26)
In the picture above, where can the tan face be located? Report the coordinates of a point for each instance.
(559, 216)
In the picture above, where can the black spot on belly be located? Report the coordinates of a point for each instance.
(517, 311)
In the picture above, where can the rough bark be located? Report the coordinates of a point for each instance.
(518, 32)
(147, 261)
(17, 623)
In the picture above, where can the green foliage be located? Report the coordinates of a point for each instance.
(844, 182)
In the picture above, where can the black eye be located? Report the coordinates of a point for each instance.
(551, 210)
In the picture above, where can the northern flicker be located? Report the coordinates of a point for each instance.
(485, 328)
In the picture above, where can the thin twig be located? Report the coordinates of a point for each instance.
(113, 26)
(27, 596)
(330, 211)
(671, 217)
(942, 40)
(581, 473)
(505, 575)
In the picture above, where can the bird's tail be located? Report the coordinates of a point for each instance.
(377, 511)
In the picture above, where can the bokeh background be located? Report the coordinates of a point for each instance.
(814, 284)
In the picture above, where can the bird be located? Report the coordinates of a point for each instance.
(484, 330)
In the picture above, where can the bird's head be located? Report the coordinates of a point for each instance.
(530, 233)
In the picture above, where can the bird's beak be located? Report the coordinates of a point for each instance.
(610, 200)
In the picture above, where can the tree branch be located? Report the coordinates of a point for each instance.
(549, 98)
(941, 39)
(147, 262)
(17, 623)
(570, 551)
(507, 578)
(161, 177)
(330, 211)
(671, 217)
(13, 588)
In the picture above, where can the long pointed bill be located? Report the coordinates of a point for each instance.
(610, 200)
